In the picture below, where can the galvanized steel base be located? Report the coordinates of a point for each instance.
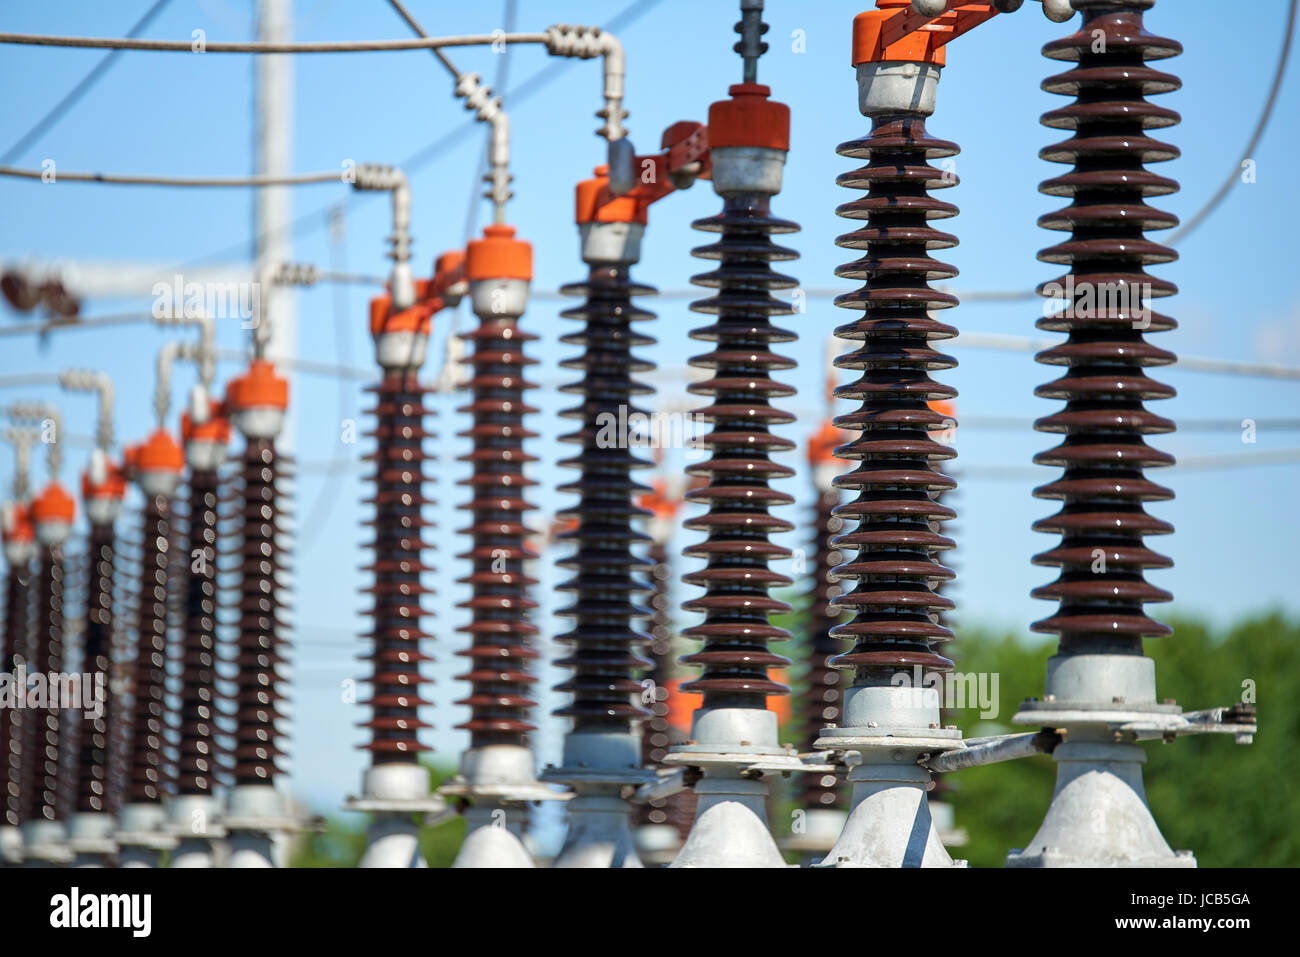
(730, 828)
(493, 838)
(1099, 815)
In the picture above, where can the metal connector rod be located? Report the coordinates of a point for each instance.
(39, 413)
(1238, 719)
(487, 109)
(751, 29)
(586, 42)
(682, 779)
(168, 353)
(206, 354)
(92, 380)
(992, 750)
(382, 177)
(22, 440)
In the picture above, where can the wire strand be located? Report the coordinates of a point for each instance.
(419, 31)
(83, 86)
(533, 84)
(1204, 212)
(220, 46)
(126, 179)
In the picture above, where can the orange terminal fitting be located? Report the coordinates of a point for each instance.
(594, 203)
(216, 429)
(257, 400)
(498, 255)
(112, 487)
(822, 446)
(17, 528)
(895, 32)
(53, 512)
(658, 502)
(684, 143)
(749, 118)
(259, 387)
(156, 464)
(432, 295)
(158, 453)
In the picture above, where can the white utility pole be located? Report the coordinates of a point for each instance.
(274, 205)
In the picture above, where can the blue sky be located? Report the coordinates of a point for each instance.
(184, 114)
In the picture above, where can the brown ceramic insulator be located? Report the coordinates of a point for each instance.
(126, 609)
(942, 782)
(197, 745)
(398, 547)
(146, 772)
(608, 578)
(891, 547)
(822, 701)
(657, 734)
(41, 753)
(94, 748)
(737, 607)
(500, 630)
(258, 652)
(15, 648)
(1102, 521)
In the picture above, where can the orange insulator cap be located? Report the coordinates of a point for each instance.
(158, 453)
(114, 486)
(22, 529)
(54, 505)
(259, 387)
(593, 203)
(821, 447)
(749, 118)
(498, 255)
(917, 46)
(216, 429)
(657, 500)
(419, 318)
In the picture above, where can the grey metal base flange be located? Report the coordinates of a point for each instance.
(11, 846)
(888, 728)
(498, 780)
(394, 793)
(1099, 815)
(90, 839)
(493, 838)
(734, 748)
(194, 820)
(599, 833)
(889, 823)
(730, 827)
(141, 837)
(45, 844)
(257, 821)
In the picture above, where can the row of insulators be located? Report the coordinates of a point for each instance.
(132, 606)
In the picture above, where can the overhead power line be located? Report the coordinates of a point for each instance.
(533, 84)
(54, 175)
(200, 46)
(973, 340)
(1261, 124)
(83, 86)
(1194, 463)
